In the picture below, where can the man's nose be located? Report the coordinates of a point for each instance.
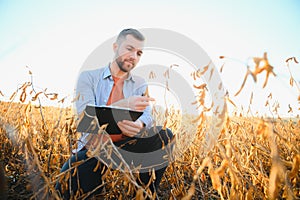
(133, 55)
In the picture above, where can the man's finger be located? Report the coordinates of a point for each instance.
(133, 124)
(145, 98)
(141, 105)
(128, 128)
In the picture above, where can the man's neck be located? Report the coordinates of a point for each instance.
(116, 72)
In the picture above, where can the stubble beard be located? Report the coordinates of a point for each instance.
(121, 64)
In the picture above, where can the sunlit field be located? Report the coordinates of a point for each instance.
(253, 157)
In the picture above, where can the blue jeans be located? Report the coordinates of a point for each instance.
(88, 179)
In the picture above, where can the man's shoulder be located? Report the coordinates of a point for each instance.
(93, 73)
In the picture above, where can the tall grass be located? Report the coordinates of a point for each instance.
(253, 158)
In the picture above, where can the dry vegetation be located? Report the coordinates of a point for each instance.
(254, 157)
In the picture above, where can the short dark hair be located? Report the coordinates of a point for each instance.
(129, 31)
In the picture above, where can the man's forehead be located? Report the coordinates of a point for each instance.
(132, 41)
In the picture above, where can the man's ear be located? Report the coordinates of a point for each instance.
(115, 47)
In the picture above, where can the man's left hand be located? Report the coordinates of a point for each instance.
(130, 128)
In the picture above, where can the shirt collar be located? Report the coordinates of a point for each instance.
(107, 74)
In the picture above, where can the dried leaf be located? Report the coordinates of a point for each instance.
(251, 98)
(200, 73)
(29, 71)
(220, 86)
(292, 81)
(76, 98)
(167, 74)
(152, 75)
(23, 96)
(296, 164)
(202, 86)
(174, 65)
(270, 95)
(287, 60)
(193, 74)
(267, 103)
(54, 96)
(243, 84)
(62, 100)
(201, 116)
(292, 58)
(36, 96)
(290, 109)
(211, 73)
(230, 101)
(221, 69)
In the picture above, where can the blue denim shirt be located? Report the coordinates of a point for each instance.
(94, 87)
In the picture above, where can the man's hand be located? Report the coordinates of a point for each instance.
(138, 103)
(130, 128)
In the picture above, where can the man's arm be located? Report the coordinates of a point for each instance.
(138, 103)
(84, 92)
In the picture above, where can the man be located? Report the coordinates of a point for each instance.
(115, 85)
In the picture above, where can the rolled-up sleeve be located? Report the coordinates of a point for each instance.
(146, 117)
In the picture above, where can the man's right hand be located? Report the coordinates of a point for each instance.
(138, 103)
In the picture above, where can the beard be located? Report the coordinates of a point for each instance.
(122, 65)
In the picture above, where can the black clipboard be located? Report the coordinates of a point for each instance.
(95, 116)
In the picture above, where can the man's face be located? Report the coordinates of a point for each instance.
(128, 53)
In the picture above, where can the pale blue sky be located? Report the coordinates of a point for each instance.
(55, 37)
